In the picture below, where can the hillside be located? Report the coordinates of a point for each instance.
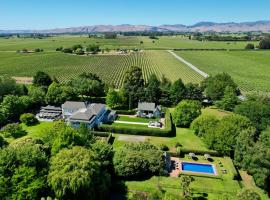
(263, 26)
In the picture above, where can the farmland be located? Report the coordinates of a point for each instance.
(250, 69)
(163, 43)
(111, 68)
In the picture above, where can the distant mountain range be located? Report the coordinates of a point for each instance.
(263, 26)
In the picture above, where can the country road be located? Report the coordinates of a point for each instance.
(205, 75)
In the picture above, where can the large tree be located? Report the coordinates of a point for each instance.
(259, 161)
(8, 86)
(42, 79)
(152, 91)
(13, 106)
(194, 91)
(138, 160)
(265, 43)
(57, 94)
(134, 86)
(226, 132)
(23, 170)
(37, 95)
(115, 99)
(229, 100)
(214, 86)
(202, 124)
(185, 112)
(88, 85)
(165, 95)
(257, 110)
(178, 91)
(244, 144)
(76, 174)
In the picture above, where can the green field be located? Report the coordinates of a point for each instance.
(135, 119)
(111, 68)
(185, 137)
(164, 42)
(250, 69)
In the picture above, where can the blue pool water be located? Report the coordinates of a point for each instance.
(195, 167)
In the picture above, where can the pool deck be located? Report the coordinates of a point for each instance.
(176, 167)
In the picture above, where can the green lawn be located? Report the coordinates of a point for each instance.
(215, 111)
(135, 119)
(129, 125)
(170, 186)
(36, 131)
(250, 69)
(185, 137)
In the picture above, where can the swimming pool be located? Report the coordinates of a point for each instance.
(198, 168)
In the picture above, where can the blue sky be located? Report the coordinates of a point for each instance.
(36, 14)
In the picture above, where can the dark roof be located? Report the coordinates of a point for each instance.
(146, 106)
(53, 108)
(74, 105)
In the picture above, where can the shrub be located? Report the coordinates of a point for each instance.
(250, 46)
(199, 152)
(185, 112)
(177, 144)
(138, 160)
(164, 147)
(67, 50)
(28, 119)
(79, 52)
(202, 124)
(13, 130)
(126, 112)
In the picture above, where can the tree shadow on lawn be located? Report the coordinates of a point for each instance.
(119, 190)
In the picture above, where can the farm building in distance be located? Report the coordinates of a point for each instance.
(92, 115)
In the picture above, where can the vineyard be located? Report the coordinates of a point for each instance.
(250, 69)
(111, 68)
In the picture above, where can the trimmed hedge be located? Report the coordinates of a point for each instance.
(192, 49)
(168, 131)
(235, 173)
(200, 152)
(126, 112)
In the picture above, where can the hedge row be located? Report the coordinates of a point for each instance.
(190, 49)
(235, 173)
(168, 131)
(126, 112)
(200, 152)
(201, 175)
(180, 151)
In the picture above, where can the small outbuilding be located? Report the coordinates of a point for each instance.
(149, 110)
(49, 113)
